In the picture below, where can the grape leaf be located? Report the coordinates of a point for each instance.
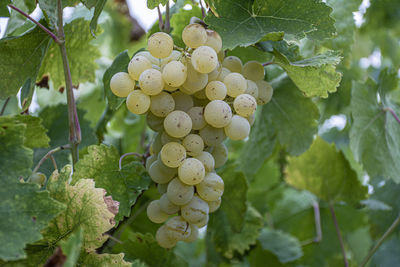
(21, 57)
(247, 22)
(374, 135)
(388, 254)
(49, 7)
(98, 8)
(325, 172)
(125, 185)
(314, 76)
(71, 248)
(155, 3)
(120, 64)
(293, 117)
(81, 55)
(25, 211)
(105, 260)
(249, 53)
(3, 8)
(286, 247)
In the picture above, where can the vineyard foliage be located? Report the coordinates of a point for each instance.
(315, 184)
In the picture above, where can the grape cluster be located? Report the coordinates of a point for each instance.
(194, 99)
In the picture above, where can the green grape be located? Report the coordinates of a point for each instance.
(213, 76)
(195, 211)
(170, 88)
(146, 54)
(155, 123)
(194, 35)
(162, 188)
(175, 55)
(238, 128)
(151, 82)
(208, 161)
(212, 136)
(223, 73)
(235, 84)
(137, 65)
(194, 234)
(220, 154)
(167, 206)
(160, 173)
(251, 119)
(214, 40)
(245, 105)
(173, 154)
(162, 104)
(174, 73)
(163, 239)
(156, 145)
(216, 90)
(183, 101)
(214, 205)
(177, 228)
(233, 63)
(253, 70)
(195, 81)
(38, 178)
(155, 214)
(191, 171)
(218, 113)
(197, 116)
(121, 84)
(200, 95)
(193, 144)
(204, 59)
(252, 89)
(150, 161)
(137, 102)
(160, 45)
(265, 92)
(179, 193)
(203, 222)
(165, 138)
(211, 188)
(178, 124)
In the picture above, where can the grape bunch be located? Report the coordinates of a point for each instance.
(194, 99)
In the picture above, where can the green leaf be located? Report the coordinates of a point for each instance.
(15, 157)
(25, 211)
(26, 50)
(98, 8)
(247, 22)
(120, 64)
(125, 185)
(49, 7)
(71, 248)
(293, 116)
(388, 254)
(286, 247)
(325, 172)
(374, 135)
(3, 8)
(105, 260)
(81, 55)
(314, 76)
(155, 3)
(249, 53)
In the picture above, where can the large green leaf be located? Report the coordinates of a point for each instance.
(374, 135)
(242, 23)
(286, 247)
(325, 172)
(125, 185)
(81, 55)
(71, 248)
(21, 58)
(25, 211)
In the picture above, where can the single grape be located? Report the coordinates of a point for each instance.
(163, 239)
(214, 40)
(211, 188)
(212, 136)
(195, 211)
(178, 124)
(194, 35)
(197, 116)
(194, 234)
(191, 171)
(173, 154)
(220, 154)
(162, 104)
(204, 59)
(160, 45)
(216, 90)
(174, 73)
(178, 228)
(150, 161)
(38, 178)
(183, 101)
(167, 206)
(207, 159)
(235, 84)
(193, 144)
(252, 89)
(170, 88)
(151, 82)
(179, 193)
(155, 214)
(160, 173)
(218, 113)
(121, 84)
(203, 222)
(245, 105)
(233, 63)
(214, 205)
(137, 65)
(137, 102)
(253, 70)
(195, 81)
(265, 92)
(223, 73)
(155, 123)
(238, 128)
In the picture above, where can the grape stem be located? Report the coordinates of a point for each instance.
(268, 63)
(52, 35)
(346, 263)
(388, 232)
(48, 155)
(167, 26)
(128, 154)
(4, 106)
(160, 19)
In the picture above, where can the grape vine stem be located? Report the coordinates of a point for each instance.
(388, 232)
(48, 155)
(346, 263)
